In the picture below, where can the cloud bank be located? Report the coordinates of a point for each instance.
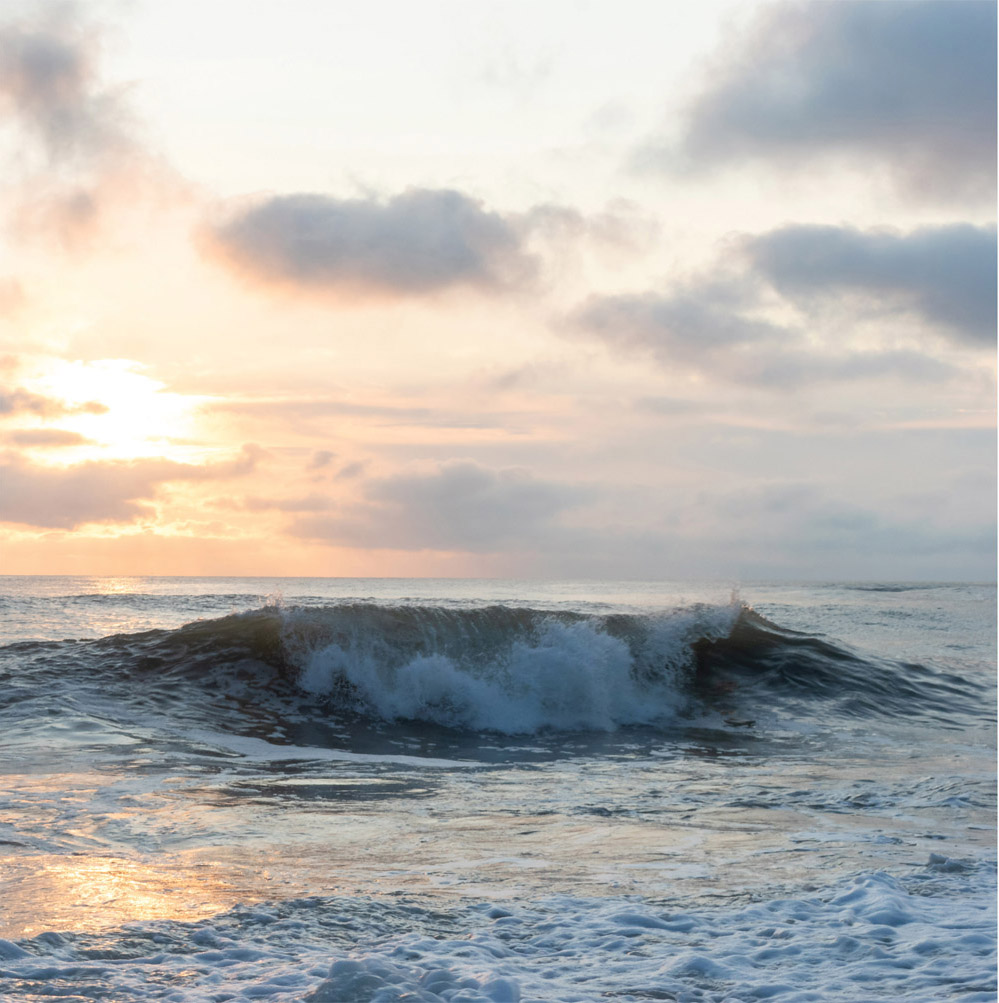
(460, 506)
(420, 242)
(21, 401)
(67, 497)
(946, 275)
(908, 85)
(941, 279)
(46, 437)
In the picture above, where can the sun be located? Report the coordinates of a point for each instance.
(119, 412)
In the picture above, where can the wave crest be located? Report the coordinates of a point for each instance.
(510, 670)
(494, 668)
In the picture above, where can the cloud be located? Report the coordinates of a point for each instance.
(851, 537)
(909, 85)
(690, 324)
(945, 274)
(300, 410)
(621, 226)
(77, 151)
(719, 324)
(310, 503)
(20, 401)
(45, 437)
(420, 242)
(250, 455)
(49, 82)
(746, 525)
(321, 458)
(458, 506)
(800, 367)
(64, 498)
(67, 497)
(349, 471)
(672, 407)
(689, 330)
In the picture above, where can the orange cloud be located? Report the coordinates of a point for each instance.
(67, 497)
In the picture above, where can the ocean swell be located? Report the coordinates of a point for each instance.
(804, 672)
(495, 668)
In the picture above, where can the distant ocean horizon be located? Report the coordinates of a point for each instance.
(489, 790)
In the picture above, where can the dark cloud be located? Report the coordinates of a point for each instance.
(690, 330)
(19, 401)
(946, 274)
(910, 85)
(46, 437)
(420, 242)
(459, 506)
(67, 497)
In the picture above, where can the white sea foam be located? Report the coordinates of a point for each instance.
(518, 677)
(871, 936)
(261, 751)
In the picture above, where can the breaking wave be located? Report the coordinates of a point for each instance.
(505, 669)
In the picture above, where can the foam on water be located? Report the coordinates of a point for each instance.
(872, 936)
(543, 672)
(257, 749)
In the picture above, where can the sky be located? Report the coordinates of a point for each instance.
(498, 289)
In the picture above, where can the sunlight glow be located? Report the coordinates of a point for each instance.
(96, 893)
(122, 413)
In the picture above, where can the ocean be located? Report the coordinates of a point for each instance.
(359, 790)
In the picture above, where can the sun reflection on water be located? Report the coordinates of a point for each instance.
(89, 894)
(115, 586)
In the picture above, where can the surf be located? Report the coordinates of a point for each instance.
(502, 669)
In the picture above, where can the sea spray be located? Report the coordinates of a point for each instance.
(509, 670)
